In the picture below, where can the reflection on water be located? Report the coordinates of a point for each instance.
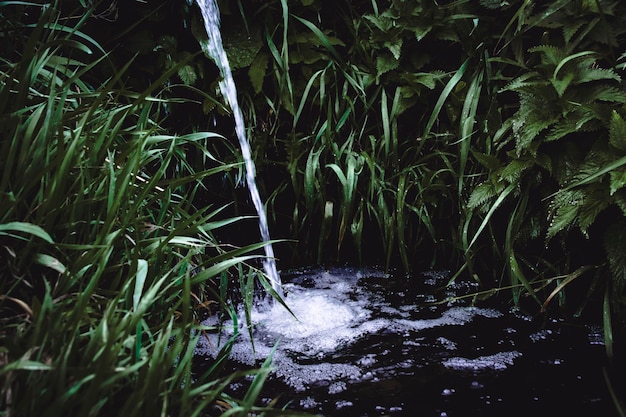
(364, 343)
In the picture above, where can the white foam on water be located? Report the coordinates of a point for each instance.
(332, 313)
(455, 316)
(498, 361)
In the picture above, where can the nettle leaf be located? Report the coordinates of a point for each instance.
(385, 63)
(561, 84)
(620, 200)
(187, 74)
(603, 93)
(570, 30)
(589, 73)
(484, 193)
(513, 171)
(564, 211)
(427, 79)
(521, 83)
(241, 46)
(526, 131)
(490, 162)
(257, 71)
(618, 180)
(395, 47)
(573, 122)
(595, 201)
(617, 131)
(382, 21)
(550, 55)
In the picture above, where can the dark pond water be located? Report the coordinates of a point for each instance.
(365, 345)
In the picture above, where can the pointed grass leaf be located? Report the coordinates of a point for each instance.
(140, 280)
(568, 279)
(503, 195)
(25, 365)
(443, 97)
(50, 262)
(26, 228)
(607, 323)
(322, 37)
(215, 270)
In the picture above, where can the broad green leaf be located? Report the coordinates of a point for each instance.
(257, 71)
(384, 63)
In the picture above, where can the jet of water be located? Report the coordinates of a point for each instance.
(215, 49)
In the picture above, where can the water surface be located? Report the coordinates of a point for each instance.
(367, 344)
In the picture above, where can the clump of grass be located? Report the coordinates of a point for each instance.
(106, 263)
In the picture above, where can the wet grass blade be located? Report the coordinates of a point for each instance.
(454, 80)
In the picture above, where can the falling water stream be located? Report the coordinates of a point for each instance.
(215, 49)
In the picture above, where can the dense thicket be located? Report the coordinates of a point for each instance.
(488, 137)
(483, 136)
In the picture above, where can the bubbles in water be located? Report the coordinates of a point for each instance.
(498, 361)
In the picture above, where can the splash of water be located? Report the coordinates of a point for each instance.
(215, 49)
